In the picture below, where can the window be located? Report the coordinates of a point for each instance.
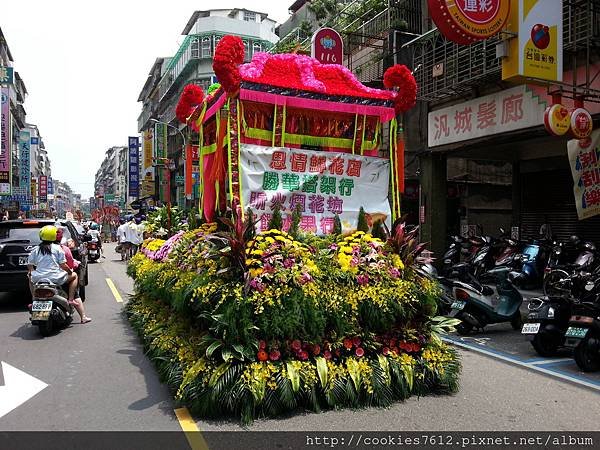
(246, 50)
(249, 16)
(206, 50)
(256, 47)
(216, 41)
(195, 49)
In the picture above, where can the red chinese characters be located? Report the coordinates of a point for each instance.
(512, 109)
(486, 115)
(278, 160)
(462, 120)
(441, 126)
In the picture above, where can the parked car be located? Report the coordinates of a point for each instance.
(18, 238)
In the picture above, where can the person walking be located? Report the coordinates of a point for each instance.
(122, 239)
(131, 236)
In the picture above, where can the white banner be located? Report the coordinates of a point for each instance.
(322, 183)
(512, 109)
(584, 159)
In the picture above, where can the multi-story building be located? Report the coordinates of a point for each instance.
(193, 64)
(63, 198)
(106, 183)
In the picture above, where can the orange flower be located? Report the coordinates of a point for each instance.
(262, 355)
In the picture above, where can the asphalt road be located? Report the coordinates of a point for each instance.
(99, 379)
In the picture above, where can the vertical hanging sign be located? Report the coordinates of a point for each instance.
(24, 160)
(134, 180)
(5, 141)
(43, 189)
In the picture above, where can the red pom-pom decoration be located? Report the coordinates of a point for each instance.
(229, 54)
(400, 76)
(191, 97)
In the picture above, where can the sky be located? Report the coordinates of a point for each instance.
(84, 64)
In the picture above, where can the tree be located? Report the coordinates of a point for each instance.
(337, 225)
(276, 222)
(362, 221)
(296, 218)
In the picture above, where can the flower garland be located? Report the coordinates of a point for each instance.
(400, 77)
(191, 97)
(229, 54)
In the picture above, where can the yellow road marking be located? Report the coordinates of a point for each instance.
(113, 288)
(192, 433)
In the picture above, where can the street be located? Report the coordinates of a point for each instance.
(98, 378)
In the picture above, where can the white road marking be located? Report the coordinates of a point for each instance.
(18, 388)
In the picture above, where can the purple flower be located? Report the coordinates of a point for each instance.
(363, 279)
(354, 261)
(256, 284)
(333, 247)
(394, 273)
(306, 278)
(288, 263)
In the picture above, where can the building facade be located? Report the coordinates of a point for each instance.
(193, 64)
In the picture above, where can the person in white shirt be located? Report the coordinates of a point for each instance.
(121, 237)
(131, 236)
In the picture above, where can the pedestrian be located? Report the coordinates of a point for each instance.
(130, 236)
(122, 239)
(74, 265)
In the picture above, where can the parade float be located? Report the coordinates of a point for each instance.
(301, 288)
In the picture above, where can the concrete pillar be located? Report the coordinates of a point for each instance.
(434, 193)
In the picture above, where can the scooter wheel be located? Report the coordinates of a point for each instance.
(46, 327)
(517, 322)
(463, 328)
(586, 356)
(544, 344)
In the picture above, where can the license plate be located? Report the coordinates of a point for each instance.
(530, 328)
(23, 260)
(576, 332)
(40, 315)
(41, 306)
(458, 305)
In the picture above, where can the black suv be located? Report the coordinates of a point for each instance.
(18, 238)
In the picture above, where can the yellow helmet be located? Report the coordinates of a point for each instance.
(48, 233)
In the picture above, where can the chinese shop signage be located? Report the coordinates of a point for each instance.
(134, 166)
(320, 184)
(43, 186)
(557, 120)
(24, 160)
(512, 109)
(467, 21)
(584, 158)
(537, 51)
(5, 142)
(327, 46)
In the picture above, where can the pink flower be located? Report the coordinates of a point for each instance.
(356, 341)
(333, 247)
(359, 352)
(302, 355)
(327, 354)
(262, 345)
(394, 273)
(386, 351)
(256, 284)
(296, 344)
(363, 279)
(274, 355)
(288, 263)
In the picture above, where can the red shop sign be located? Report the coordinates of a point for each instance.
(467, 21)
(327, 46)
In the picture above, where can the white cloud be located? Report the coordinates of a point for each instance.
(84, 64)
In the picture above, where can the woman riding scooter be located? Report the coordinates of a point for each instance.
(47, 261)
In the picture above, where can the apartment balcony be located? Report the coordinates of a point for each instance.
(143, 119)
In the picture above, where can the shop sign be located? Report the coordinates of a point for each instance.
(134, 166)
(321, 184)
(327, 46)
(468, 21)
(537, 51)
(7, 75)
(584, 159)
(557, 120)
(148, 150)
(509, 110)
(5, 140)
(581, 123)
(24, 160)
(160, 140)
(43, 188)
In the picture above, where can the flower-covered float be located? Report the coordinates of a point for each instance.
(291, 295)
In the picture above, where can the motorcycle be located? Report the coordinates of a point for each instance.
(93, 251)
(560, 279)
(531, 273)
(583, 333)
(477, 305)
(50, 309)
(547, 322)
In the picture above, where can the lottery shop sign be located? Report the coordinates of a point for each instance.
(467, 21)
(323, 184)
(584, 158)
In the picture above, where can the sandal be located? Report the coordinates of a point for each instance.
(86, 320)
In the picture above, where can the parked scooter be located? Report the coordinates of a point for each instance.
(561, 278)
(478, 305)
(547, 322)
(50, 309)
